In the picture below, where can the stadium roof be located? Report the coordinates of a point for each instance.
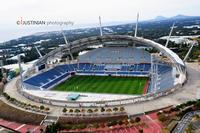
(25, 66)
(81, 44)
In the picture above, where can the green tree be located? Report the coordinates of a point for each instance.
(137, 119)
(64, 110)
(42, 107)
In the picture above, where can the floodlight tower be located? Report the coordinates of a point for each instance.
(100, 26)
(66, 42)
(170, 33)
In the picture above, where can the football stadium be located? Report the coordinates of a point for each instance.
(104, 70)
(100, 81)
(63, 70)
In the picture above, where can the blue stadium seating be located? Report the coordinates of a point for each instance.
(55, 75)
(55, 81)
(116, 55)
(51, 77)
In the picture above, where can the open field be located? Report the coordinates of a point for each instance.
(103, 84)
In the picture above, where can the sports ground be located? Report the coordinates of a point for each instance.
(103, 84)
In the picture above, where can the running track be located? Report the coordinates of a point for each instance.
(18, 127)
(151, 120)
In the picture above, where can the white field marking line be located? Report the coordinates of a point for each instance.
(20, 127)
(129, 129)
(121, 131)
(155, 130)
(36, 128)
(1, 120)
(153, 121)
(126, 130)
(147, 118)
(9, 123)
(135, 128)
(151, 127)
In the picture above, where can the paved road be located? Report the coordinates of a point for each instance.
(185, 122)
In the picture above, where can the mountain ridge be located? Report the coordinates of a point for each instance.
(156, 19)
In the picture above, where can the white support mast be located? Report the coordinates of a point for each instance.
(66, 42)
(170, 33)
(38, 51)
(20, 69)
(154, 74)
(136, 25)
(100, 27)
(1, 65)
(189, 51)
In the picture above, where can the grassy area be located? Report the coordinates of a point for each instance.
(103, 84)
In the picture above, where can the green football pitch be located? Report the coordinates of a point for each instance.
(103, 84)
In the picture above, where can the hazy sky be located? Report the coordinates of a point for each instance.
(84, 12)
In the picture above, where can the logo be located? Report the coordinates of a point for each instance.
(43, 22)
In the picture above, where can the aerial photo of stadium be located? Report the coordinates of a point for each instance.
(107, 82)
(117, 66)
